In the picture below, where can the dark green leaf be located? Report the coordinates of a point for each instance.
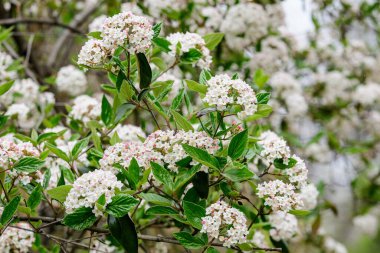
(193, 55)
(279, 163)
(35, 197)
(263, 97)
(162, 175)
(201, 184)
(201, 156)
(79, 147)
(28, 164)
(80, 219)
(106, 113)
(161, 210)
(156, 199)
(9, 210)
(121, 205)
(238, 174)
(194, 213)
(189, 241)
(238, 144)
(124, 231)
(145, 72)
(162, 43)
(157, 30)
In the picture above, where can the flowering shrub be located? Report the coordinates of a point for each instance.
(193, 124)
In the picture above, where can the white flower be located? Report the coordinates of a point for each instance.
(190, 41)
(168, 145)
(71, 80)
(26, 115)
(332, 246)
(367, 223)
(93, 53)
(309, 195)
(244, 25)
(298, 173)
(296, 104)
(5, 63)
(122, 153)
(85, 108)
(274, 147)
(367, 94)
(128, 133)
(259, 239)
(223, 91)
(282, 81)
(220, 216)
(97, 24)
(128, 30)
(279, 195)
(17, 239)
(284, 226)
(89, 187)
(155, 7)
(10, 152)
(23, 91)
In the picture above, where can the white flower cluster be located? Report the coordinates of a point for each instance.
(97, 24)
(244, 24)
(5, 63)
(85, 109)
(221, 216)
(259, 239)
(298, 173)
(367, 94)
(17, 239)
(279, 195)
(123, 29)
(223, 91)
(333, 246)
(273, 56)
(284, 226)
(367, 223)
(22, 102)
(168, 145)
(122, 153)
(11, 152)
(190, 41)
(128, 133)
(309, 195)
(89, 187)
(71, 80)
(155, 7)
(274, 147)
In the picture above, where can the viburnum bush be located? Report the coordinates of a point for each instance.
(185, 126)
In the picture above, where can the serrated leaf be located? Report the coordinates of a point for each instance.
(28, 164)
(80, 219)
(121, 205)
(9, 210)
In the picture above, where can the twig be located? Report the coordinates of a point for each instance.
(15, 21)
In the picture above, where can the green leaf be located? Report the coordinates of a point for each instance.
(263, 110)
(201, 184)
(177, 100)
(260, 78)
(189, 241)
(60, 193)
(162, 175)
(279, 163)
(57, 152)
(204, 76)
(95, 35)
(106, 114)
(194, 213)
(28, 164)
(115, 138)
(212, 250)
(181, 121)
(238, 144)
(162, 43)
(6, 86)
(79, 147)
(193, 55)
(9, 210)
(201, 156)
(47, 136)
(263, 97)
(35, 197)
(156, 199)
(124, 231)
(182, 178)
(300, 213)
(121, 205)
(145, 72)
(80, 219)
(197, 87)
(157, 30)
(212, 40)
(238, 174)
(123, 111)
(161, 210)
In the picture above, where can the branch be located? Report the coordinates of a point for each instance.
(15, 21)
(140, 236)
